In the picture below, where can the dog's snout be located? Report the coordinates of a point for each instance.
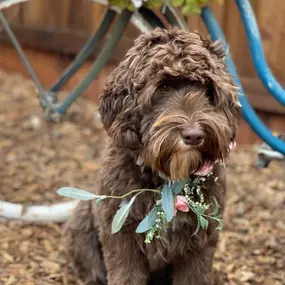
(192, 136)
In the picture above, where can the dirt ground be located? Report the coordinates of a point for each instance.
(37, 158)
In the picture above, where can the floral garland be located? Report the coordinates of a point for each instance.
(190, 198)
(176, 196)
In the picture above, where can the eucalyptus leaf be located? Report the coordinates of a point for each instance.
(203, 222)
(148, 221)
(199, 210)
(167, 202)
(219, 227)
(123, 203)
(216, 210)
(99, 201)
(121, 216)
(178, 186)
(77, 194)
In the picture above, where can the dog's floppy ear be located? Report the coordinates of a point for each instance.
(119, 107)
(222, 85)
(117, 110)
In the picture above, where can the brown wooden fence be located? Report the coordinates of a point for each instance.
(85, 15)
(64, 25)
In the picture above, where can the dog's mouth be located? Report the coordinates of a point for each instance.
(205, 169)
(180, 165)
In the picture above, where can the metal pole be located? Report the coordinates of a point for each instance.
(173, 17)
(20, 51)
(247, 111)
(99, 62)
(256, 51)
(86, 51)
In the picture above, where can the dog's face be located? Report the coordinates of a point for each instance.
(184, 128)
(173, 103)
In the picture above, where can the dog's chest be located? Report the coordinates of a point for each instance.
(174, 242)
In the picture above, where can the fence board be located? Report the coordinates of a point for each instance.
(33, 13)
(86, 15)
(97, 12)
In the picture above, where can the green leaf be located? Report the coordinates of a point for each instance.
(131, 7)
(77, 194)
(123, 203)
(189, 9)
(155, 3)
(167, 202)
(148, 221)
(178, 186)
(99, 201)
(177, 3)
(121, 216)
(197, 209)
(219, 227)
(203, 2)
(216, 210)
(203, 222)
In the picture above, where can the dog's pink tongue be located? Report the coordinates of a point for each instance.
(205, 169)
(208, 166)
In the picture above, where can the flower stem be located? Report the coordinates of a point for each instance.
(138, 191)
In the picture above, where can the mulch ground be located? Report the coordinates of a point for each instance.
(38, 157)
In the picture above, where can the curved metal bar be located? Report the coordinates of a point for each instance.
(248, 113)
(8, 3)
(173, 17)
(256, 50)
(150, 17)
(86, 51)
(44, 101)
(100, 61)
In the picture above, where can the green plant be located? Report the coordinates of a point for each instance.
(184, 195)
(188, 6)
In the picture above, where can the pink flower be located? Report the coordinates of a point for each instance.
(180, 204)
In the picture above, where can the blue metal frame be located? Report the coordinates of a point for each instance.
(86, 51)
(247, 111)
(100, 61)
(256, 51)
(53, 110)
(43, 95)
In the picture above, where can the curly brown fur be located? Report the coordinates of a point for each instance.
(170, 81)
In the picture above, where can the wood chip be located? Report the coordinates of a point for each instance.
(37, 158)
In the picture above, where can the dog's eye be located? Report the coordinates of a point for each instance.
(211, 94)
(164, 84)
(173, 83)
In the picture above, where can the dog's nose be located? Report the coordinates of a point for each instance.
(192, 136)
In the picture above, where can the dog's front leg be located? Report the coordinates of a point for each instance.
(125, 263)
(195, 268)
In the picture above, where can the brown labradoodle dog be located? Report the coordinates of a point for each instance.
(169, 108)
